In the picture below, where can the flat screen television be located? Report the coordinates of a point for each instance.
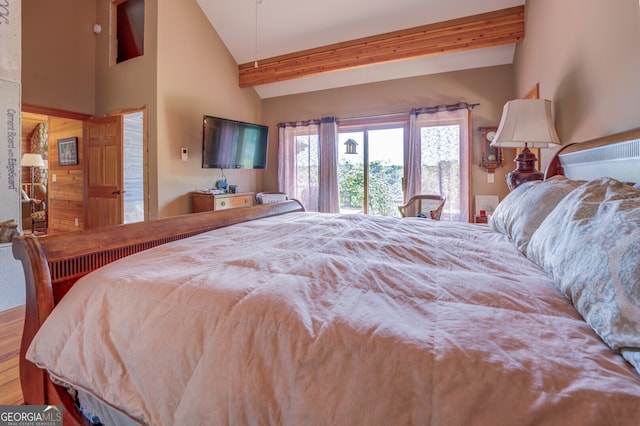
(231, 144)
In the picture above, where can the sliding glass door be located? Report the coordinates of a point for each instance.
(370, 170)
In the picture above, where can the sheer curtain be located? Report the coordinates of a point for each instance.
(328, 197)
(438, 157)
(307, 163)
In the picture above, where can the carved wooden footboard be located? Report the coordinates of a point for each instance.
(53, 263)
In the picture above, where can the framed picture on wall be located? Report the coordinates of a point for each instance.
(68, 151)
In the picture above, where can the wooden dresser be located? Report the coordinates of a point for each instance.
(206, 201)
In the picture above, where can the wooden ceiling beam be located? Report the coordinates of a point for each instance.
(473, 32)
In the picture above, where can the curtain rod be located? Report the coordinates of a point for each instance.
(414, 110)
(452, 107)
(389, 114)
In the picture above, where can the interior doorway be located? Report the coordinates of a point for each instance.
(65, 206)
(135, 208)
(135, 187)
(62, 183)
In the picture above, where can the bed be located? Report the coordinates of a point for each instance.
(274, 315)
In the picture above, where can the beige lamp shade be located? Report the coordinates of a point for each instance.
(526, 122)
(32, 160)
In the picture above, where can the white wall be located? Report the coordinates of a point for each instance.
(10, 35)
(11, 278)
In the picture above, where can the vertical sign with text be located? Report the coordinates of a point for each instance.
(10, 33)
(10, 63)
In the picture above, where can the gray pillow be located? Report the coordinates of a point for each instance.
(523, 210)
(590, 245)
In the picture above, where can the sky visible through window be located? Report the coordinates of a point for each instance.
(383, 146)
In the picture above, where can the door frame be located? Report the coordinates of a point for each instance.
(367, 124)
(58, 222)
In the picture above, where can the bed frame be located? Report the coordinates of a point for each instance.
(616, 156)
(53, 263)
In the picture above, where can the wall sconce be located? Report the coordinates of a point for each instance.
(351, 146)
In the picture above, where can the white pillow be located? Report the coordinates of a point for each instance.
(523, 210)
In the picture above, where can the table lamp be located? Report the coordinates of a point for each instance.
(525, 123)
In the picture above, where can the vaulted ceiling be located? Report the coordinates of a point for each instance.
(295, 46)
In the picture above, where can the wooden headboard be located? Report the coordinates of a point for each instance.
(616, 156)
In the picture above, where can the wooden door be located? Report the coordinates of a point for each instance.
(104, 200)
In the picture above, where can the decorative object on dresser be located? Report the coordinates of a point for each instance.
(491, 156)
(525, 123)
(271, 197)
(207, 201)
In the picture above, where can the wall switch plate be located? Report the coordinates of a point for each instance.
(490, 178)
(184, 154)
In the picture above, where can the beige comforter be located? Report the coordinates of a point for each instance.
(310, 319)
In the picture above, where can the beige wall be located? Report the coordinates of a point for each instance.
(196, 75)
(58, 49)
(185, 72)
(131, 84)
(586, 56)
(491, 87)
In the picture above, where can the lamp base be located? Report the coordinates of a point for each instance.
(525, 170)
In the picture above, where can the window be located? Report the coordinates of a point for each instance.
(440, 161)
(373, 165)
(127, 30)
(298, 162)
(440, 147)
(307, 169)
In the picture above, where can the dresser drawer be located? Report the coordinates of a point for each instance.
(201, 202)
(232, 201)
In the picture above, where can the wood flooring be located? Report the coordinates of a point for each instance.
(11, 322)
